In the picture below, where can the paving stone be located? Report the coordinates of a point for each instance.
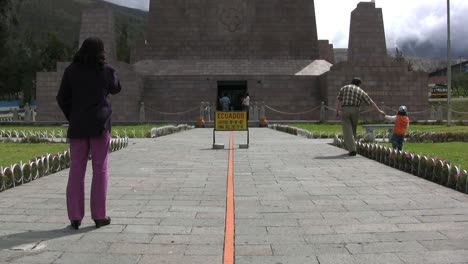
(432, 257)
(275, 260)
(253, 250)
(142, 249)
(434, 226)
(451, 244)
(86, 258)
(360, 259)
(269, 239)
(384, 247)
(410, 236)
(204, 239)
(308, 250)
(117, 237)
(29, 257)
(163, 259)
(291, 207)
(341, 238)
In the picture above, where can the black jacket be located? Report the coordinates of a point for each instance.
(84, 99)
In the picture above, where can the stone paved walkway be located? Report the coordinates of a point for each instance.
(297, 201)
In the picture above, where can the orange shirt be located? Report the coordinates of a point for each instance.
(401, 125)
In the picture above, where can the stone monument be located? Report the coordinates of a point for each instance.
(196, 51)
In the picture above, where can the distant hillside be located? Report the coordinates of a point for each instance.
(419, 63)
(39, 17)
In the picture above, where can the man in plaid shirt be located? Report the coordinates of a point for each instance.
(349, 100)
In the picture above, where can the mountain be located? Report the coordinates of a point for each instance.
(419, 63)
(37, 18)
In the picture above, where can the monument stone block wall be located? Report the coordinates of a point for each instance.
(177, 97)
(367, 35)
(291, 97)
(270, 44)
(98, 21)
(326, 51)
(125, 105)
(390, 83)
(47, 86)
(232, 29)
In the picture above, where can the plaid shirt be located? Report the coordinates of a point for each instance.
(352, 95)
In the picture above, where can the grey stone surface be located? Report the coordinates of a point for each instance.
(189, 48)
(297, 201)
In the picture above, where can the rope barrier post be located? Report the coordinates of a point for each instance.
(255, 115)
(208, 112)
(142, 112)
(262, 110)
(322, 112)
(381, 117)
(440, 112)
(202, 110)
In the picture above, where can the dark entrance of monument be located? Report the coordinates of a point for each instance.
(235, 90)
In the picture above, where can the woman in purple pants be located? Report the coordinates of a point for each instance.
(84, 100)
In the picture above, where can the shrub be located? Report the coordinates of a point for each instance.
(462, 181)
(429, 173)
(415, 165)
(453, 177)
(40, 168)
(26, 172)
(55, 163)
(17, 174)
(438, 170)
(34, 170)
(8, 176)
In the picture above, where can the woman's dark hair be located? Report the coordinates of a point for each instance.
(91, 53)
(402, 113)
(356, 81)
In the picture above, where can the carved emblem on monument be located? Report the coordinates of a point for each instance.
(232, 19)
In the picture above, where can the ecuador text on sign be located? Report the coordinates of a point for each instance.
(231, 121)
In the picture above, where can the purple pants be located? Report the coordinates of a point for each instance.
(79, 149)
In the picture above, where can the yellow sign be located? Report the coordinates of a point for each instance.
(230, 121)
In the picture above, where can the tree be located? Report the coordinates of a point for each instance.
(53, 51)
(123, 47)
(8, 19)
(460, 84)
(400, 57)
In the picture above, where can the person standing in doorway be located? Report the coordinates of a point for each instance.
(84, 100)
(246, 104)
(348, 102)
(225, 102)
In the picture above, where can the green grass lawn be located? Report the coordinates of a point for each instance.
(454, 152)
(336, 128)
(15, 152)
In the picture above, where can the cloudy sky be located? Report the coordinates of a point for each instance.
(418, 27)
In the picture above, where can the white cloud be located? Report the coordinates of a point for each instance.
(140, 4)
(421, 20)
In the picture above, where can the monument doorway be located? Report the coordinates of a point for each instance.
(235, 90)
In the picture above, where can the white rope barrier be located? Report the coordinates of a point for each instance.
(178, 113)
(462, 113)
(286, 113)
(330, 108)
(419, 112)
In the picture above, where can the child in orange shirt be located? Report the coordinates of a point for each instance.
(401, 126)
